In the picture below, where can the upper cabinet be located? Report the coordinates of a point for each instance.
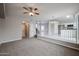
(2, 10)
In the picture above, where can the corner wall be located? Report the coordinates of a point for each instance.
(11, 26)
(32, 28)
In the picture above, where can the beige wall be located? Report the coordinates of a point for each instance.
(11, 26)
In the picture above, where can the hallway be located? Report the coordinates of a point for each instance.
(35, 47)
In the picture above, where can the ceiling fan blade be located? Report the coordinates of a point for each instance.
(25, 12)
(30, 8)
(37, 13)
(35, 9)
(26, 8)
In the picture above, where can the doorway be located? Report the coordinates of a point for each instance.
(25, 29)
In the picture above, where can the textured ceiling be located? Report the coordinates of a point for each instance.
(49, 10)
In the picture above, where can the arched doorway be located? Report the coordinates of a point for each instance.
(25, 29)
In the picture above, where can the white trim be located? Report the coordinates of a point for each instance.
(76, 16)
(60, 44)
(59, 38)
(10, 40)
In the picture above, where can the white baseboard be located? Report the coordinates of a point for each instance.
(9, 41)
(58, 38)
(60, 44)
(0, 43)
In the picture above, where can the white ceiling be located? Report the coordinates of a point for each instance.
(49, 10)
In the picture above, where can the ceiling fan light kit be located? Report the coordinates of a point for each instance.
(31, 14)
(31, 11)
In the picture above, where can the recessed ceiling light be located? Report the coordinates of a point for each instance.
(68, 16)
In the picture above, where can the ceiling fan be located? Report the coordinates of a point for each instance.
(31, 11)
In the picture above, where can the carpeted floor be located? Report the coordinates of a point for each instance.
(35, 47)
